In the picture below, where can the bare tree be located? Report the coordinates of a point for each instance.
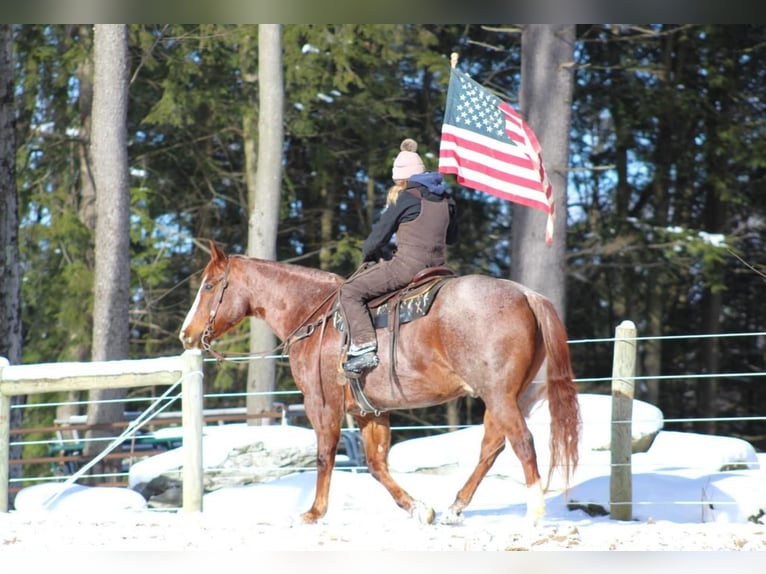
(264, 184)
(109, 158)
(547, 82)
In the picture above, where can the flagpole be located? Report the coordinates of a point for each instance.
(453, 59)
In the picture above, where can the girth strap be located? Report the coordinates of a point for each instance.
(361, 398)
(437, 281)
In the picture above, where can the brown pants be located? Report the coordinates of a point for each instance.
(378, 279)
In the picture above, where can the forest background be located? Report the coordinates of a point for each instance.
(665, 197)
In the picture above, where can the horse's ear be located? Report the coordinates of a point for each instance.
(216, 253)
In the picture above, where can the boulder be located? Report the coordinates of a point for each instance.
(232, 455)
(162, 492)
(596, 415)
(461, 448)
(709, 453)
(77, 499)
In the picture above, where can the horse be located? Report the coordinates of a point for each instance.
(484, 337)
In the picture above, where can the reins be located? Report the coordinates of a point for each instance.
(211, 317)
(208, 331)
(304, 330)
(309, 328)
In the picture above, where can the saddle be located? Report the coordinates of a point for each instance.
(406, 304)
(411, 302)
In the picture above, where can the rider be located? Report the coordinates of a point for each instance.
(422, 214)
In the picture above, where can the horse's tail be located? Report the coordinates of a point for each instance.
(560, 388)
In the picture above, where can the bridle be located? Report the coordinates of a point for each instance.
(303, 331)
(208, 331)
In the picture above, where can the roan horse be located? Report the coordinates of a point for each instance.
(483, 337)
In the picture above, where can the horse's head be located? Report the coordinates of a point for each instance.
(217, 308)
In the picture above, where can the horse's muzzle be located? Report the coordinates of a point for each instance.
(188, 341)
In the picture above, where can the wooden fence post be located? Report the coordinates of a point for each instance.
(192, 403)
(623, 383)
(5, 441)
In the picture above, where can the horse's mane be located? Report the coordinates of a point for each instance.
(318, 277)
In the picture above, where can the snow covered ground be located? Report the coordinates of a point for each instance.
(682, 501)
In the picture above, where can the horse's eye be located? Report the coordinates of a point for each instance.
(208, 286)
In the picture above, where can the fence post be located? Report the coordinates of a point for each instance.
(191, 412)
(5, 441)
(623, 382)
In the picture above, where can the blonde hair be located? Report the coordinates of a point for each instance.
(394, 191)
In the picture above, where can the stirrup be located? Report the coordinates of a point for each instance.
(357, 350)
(355, 365)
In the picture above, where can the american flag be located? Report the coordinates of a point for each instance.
(490, 148)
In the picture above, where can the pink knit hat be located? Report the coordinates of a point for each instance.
(408, 162)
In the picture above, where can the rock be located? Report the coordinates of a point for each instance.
(232, 455)
(449, 450)
(155, 486)
(77, 499)
(701, 451)
(260, 461)
(161, 492)
(172, 497)
(596, 415)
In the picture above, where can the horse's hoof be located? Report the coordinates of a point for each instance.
(309, 517)
(452, 517)
(424, 514)
(535, 516)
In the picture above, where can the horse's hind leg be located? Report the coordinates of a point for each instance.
(376, 432)
(524, 446)
(492, 444)
(516, 430)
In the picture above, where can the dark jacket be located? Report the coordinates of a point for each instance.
(428, 186)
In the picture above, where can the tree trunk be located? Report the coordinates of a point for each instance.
(546, 100)
(656, 292)
(87, 199)
(10, 271)
(264, 199)
(712, 311)
(109, 154)
(720, 180)
(326, 218)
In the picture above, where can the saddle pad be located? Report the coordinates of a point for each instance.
(411, 306)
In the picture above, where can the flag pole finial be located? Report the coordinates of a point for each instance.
(453, 59)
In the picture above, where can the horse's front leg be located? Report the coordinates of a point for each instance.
(326, 422)
(376, 432)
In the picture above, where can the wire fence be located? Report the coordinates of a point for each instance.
(64, 447)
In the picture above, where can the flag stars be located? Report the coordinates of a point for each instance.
(479, 110)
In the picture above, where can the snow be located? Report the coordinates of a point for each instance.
(690, 492)
(681, 495)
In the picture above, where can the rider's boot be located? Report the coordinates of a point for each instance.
(360, 357)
